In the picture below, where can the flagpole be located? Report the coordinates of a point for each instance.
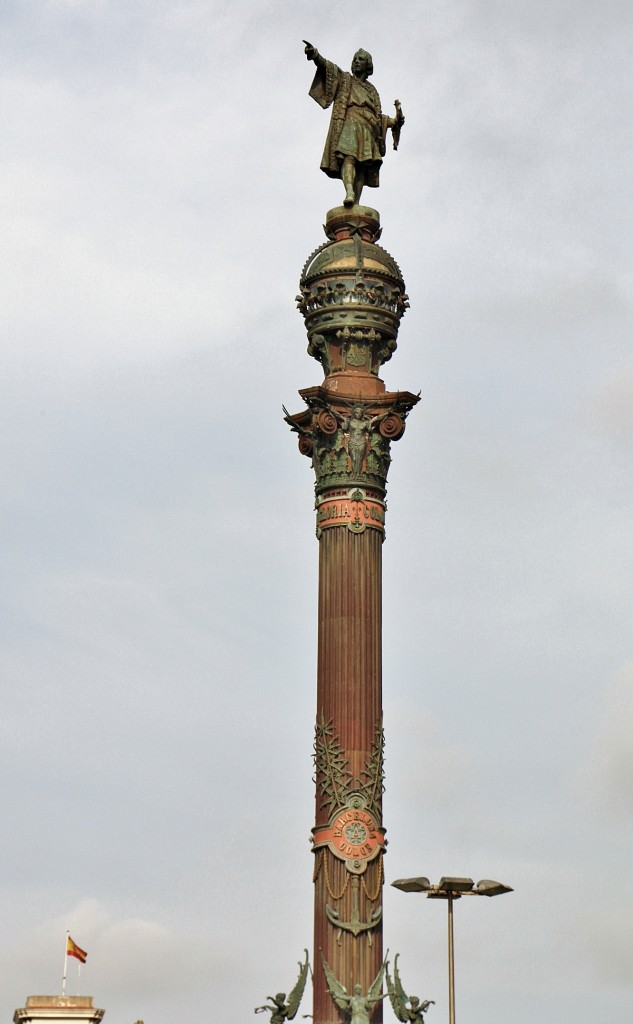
(79, 977)
(65, 964)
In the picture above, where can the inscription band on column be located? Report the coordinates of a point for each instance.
(356, 509)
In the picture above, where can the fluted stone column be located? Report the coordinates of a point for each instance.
(352, 298)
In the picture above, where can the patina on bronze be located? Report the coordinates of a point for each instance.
(282, 1009)
(352, 297)
(354, 925)
(355, 143)
(357, 1008)
(407, 1009)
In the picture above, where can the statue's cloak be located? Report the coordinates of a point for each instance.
(331, 86)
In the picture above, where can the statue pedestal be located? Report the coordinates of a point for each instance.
(343, 222)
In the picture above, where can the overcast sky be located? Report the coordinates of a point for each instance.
(161, 192)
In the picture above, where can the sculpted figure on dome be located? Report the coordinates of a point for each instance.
(355, 144)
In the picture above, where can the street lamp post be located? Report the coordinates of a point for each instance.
(451, 889)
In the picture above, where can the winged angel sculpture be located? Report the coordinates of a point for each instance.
(281, 1010)
(414, 1012)
(357, 1007)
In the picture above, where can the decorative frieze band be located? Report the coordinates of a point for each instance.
(355, 509)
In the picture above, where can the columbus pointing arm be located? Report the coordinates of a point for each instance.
(355, 143)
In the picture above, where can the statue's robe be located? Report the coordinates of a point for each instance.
(357, 125)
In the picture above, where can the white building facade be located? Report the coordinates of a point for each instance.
(60, 1009)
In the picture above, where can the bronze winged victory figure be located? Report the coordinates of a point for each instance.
(281, 1011)
(355, 144)
(414, 1012)
(356, 1007)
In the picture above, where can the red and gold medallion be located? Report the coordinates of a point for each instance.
(352, 835)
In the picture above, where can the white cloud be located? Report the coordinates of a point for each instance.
(611, 765)
(612, 407)
(133, 959)
(606, 940)
(158, 592)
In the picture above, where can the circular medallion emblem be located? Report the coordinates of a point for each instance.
(352, 835)
(355, 833)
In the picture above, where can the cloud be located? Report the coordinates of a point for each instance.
(605, 937)
(611, 763)
(159, 593)
(127, 957)
(612, 407)
(431, 755)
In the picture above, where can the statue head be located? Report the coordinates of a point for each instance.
(358, 990)
(415, 1001)
(280, 998)
(362, 63)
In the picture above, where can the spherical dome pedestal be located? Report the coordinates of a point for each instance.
(352, 298)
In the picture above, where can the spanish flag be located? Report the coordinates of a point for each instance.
(72, 949)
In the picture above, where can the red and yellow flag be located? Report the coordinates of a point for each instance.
(72, 949)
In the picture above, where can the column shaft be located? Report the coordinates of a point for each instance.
(349, 696)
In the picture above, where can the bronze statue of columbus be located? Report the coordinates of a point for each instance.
(355, 143)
